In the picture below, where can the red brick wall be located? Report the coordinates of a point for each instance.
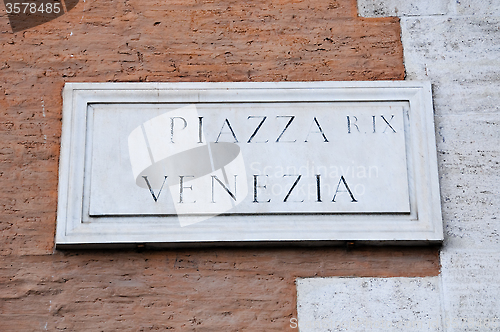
(230, 289)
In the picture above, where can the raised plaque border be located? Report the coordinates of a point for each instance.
(422, 226)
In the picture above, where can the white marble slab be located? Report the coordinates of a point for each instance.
(248, 162)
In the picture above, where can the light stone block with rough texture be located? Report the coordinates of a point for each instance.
(460, 57)
(469, 167)
(369, 304)
(469, 164)
(478, 8)
(471, 288)
(381, 8)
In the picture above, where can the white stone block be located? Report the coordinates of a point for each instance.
(481, 8)
(471, 288)
(461, 58)
(369, 304)
(469, 164)
(385, 8)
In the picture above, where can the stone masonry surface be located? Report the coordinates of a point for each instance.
(217, 289)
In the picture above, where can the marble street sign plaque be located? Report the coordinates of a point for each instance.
(178, 163)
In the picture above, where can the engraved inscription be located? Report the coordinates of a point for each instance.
(260, 158)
